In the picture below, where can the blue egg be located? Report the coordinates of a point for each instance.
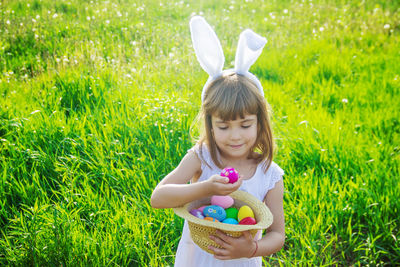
(230, 221)
(215, 212)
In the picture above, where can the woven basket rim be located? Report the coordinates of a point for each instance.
(262, 213)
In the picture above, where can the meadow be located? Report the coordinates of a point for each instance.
(98, 103)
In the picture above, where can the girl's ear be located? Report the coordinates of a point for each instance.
(249, 49)
(206, 46)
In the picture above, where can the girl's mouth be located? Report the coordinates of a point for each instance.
(235, 146)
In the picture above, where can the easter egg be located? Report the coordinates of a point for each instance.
(232, 213)
(222, 201)
(197, 213)
(201, 208)
(230, 221)
(248, 221)
(210, 219)
(245, 211)
(215, 211)
(231, 173)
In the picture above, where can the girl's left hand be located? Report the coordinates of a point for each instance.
(233, 247)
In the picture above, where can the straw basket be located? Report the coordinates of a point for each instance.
(200, 229)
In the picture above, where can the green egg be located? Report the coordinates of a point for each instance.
(232, 213)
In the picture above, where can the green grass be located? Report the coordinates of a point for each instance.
(97, 99)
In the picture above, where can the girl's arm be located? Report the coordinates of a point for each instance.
(275, 237)
(244, 246)
(174, 190)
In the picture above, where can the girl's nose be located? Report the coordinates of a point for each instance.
(235, 134)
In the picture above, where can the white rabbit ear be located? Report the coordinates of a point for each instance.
(249, 49)
(207, 46)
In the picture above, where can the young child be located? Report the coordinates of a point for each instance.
(237, 133)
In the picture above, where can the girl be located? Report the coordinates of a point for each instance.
(237, 133)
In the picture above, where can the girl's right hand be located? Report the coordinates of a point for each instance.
(219, 185)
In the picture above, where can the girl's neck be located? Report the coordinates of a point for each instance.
(245, 166)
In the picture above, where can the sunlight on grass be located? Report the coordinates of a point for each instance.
(97, 101)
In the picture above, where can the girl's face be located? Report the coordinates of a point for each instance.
(235, 138)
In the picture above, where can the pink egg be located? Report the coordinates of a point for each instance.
(201, 208)
(222, 201)
(231, 173)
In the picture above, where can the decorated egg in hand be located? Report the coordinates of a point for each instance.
(245, 211)
(231, 173)
(197, 213)
(215, 211)
(222, 201)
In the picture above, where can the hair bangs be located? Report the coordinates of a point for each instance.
(233, 101)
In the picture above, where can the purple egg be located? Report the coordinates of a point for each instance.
(197, 213)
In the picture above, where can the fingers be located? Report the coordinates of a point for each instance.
(220, 253)
(220, 179)
(224, 238)
(220, 185)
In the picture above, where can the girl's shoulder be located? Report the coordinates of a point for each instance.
(273, 175)
(202, 152)
(274, 170)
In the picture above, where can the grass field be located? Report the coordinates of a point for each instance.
(98, 98)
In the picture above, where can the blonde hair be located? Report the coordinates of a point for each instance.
(232, 96)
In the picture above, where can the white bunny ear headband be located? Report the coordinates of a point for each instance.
(209, 52)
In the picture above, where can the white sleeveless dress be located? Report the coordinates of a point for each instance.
(188, 253)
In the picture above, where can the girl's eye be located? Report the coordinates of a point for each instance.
(223, 128)
(246, 126)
